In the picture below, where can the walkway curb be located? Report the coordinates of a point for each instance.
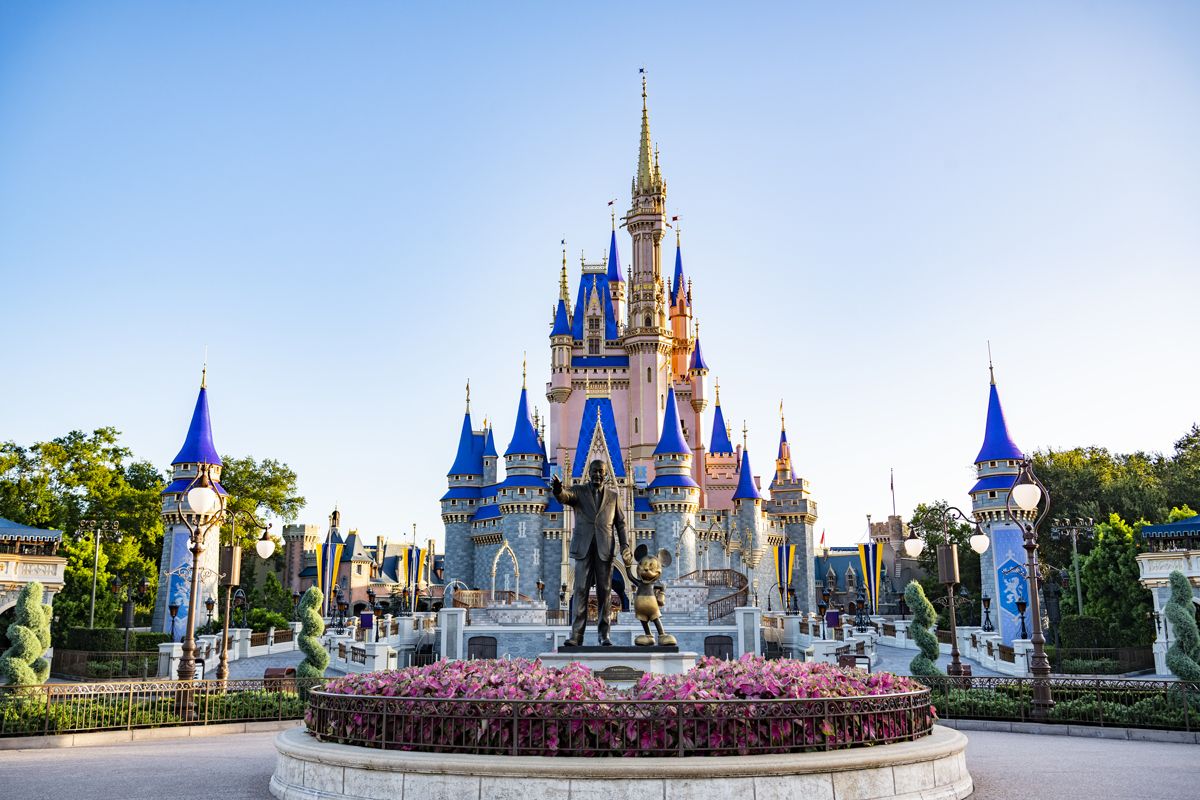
(96, 738)
(1083, 731)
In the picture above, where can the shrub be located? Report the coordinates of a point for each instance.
(29, 634)
(99, 640)
(148, 641)
(923, 617)
(1184, 653)
(1091, 666)
(261, 620)
(312, 626)
(1082, 632)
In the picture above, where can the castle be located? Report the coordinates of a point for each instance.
(628, 386)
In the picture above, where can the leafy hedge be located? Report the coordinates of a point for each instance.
(1091, 666)
(112, 640)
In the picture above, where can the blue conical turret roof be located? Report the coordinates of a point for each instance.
(698, 361)
(614, 261)
(746, 488)
(489, 445)
(469, 459)
(678, 281)
(198, 447)
(720, 437)
(562, 326)
(997, 443)
(672, 440)
(525, 438)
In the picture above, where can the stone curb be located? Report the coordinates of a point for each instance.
(98, 738)
(1085, 731)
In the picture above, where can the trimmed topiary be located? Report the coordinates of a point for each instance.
(22, 663)
(315, 658)
(1184, 654)
(923, 618)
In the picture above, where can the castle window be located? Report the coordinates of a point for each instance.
(635, 425)
(520, 491)
(593, 347)
(991, 463)
(719, 647)
(648, 378)
(593, 323)
(481, 647)
(991, 494)
(647, 321)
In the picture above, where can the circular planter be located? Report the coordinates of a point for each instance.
(932, 767)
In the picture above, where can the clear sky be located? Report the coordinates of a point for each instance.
(357, 206)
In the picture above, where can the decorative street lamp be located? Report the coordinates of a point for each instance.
(947, 558)
(1074, 529)
(209, 605)
(541, 587)
(173, 610)
(822, 606)
(861, 621)
(378, 609)
(295, 604)
(1021, 606)
(132, 592)
(986, 625)
(1027, 493)
(231, 569)
(240, 602)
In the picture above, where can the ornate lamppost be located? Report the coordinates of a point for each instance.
(1027, 494)
(231, 568)
(987, 625)
(947, 557)
(240, 602)
(209, 605)
(861, 621)
(1074, 529)
(132, 592)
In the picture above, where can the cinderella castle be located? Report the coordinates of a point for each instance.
(628, 386)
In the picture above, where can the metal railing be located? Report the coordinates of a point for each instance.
(1107, 702)
(618, 727)
(259, 639)
(283, 635)
(56, 708)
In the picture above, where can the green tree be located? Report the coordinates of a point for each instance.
(275, 598)
(923, 618)
(1111, 587)
(930, 522)
(312, 626)
(1183, 657)
(1181, 472)
(262, 488)
(22, 663)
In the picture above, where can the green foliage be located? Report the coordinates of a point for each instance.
(261, 620)
(1112, 590)
(29, 636)
(147, 641)
(1184, 653)
(929, 523)
(275, 597)
(101, 640)
(1076, 631)
(923, 617)
(259, 487)
(315, 658)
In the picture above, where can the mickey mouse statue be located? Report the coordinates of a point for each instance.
(649, 599)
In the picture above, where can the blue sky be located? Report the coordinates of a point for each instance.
(358, 206)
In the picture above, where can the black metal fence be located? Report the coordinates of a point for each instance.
(56, 708)
(1108, 702)
(618, 727)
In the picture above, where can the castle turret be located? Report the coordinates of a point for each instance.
(674, 494)
(791, 508)
(197, 455)
(720, 462)
(996, 467)
(515, 557)
(697, 372)
(462, 498)
(681, 315)
(616, 279)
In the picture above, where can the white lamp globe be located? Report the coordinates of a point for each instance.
(203, 500)
(980, 542)
(1027, 496)
(265, 546)
(914, 546)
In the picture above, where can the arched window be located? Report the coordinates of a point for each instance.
(636, 427)
(648, 375)
(647, 321)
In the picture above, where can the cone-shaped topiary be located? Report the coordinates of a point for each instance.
(22, 663)
(315, 658)
(1183, 658)
(923, 618)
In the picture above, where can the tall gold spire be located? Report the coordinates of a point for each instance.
(562, 278)
(204, 369)
(524, 358)
(782, 424)
(468, 395)
(745, 435)
(718, 382)
(645, 173)
(991, 372)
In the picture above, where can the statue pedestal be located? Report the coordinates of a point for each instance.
(623, 666)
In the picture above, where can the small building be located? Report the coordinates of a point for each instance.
(29, 554)
(1171, 547)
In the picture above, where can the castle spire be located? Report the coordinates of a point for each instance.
(198, 447)
(719, 442)
(564, 294)
(997, 442)
(747, 489)
(645, 173)
(672, 440)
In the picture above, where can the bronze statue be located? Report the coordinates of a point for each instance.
(597, 516)
(650, 598)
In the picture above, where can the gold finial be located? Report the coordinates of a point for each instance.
(612, 212)
(645, 172)
(782, 424)
(204, 370)
(485, 423)
(675, 219)
(524, 357)
(718, 383)
(745, 431)
(991, 372)
(468, 395)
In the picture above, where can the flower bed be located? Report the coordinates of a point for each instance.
(520, 707)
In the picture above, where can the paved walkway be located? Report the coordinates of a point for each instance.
(254, 667)
(238, 767)
(896, 659)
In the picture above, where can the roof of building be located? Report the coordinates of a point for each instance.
(587, 285)
(180, 485)
(719, 442)
(469, 459)
(487, 512)
(992, 483)
(525, 438)
(198, 447)
(641, 505)
(997, 443)
(614, 261)
(1183, 527)
(785, 451)
(747, 489)
(562, 325)
(489, 445)
(600, 361)
(27, 533)
(515, 481)
(671, 441)
(698, 361)
(678, 282)
(672, 480)
(598, 407)
(462, 493)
